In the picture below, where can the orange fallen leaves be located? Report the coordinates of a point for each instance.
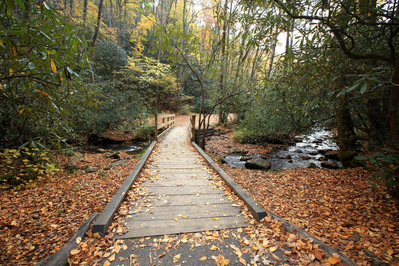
(48, 214)
(340, 207)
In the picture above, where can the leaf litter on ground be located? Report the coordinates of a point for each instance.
(342, 208)
(37, 221)
(263, 243)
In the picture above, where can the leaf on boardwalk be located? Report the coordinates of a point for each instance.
(216, 218)
(176, 219)
(176, 258)
(203, 258)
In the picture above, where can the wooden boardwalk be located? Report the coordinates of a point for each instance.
(182, 195)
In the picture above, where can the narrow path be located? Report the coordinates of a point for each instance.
(183, 196)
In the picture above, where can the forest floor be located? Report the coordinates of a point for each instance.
(340, 207)
(343, 208)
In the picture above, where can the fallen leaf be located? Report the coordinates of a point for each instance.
(333, 260)
(75, 251)
(176, 258)
(216, 218)
(176, 219)
(112, 258)
(203, 258)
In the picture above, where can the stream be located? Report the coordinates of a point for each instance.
(127, 148)
(307, 149)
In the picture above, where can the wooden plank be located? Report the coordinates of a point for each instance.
(162, 227)
(193, 190)
(103, 222)
(161, 182)
(257, 211)
(160, 116)
(178, 200)
(192, 211)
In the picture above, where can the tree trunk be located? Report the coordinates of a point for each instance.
(97, 29)
(346, 134)
(111, 14)
(393, 104)
(222, 113)
(84, 12)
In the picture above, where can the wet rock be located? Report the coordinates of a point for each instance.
(323, 151)
(317, 141)
(101, 150)
(329, 165)
(290, 161)
(244, 158)
(298, 139)
(257, 163)
(322, 159)
(117, 163)
(312, 165)
(378, 263)
(305, 157)
(313, 153)
(298, 151)
(332, 155)
(369, 253)
(288, 156)
(114, 155)
(356, 237)
(91, 169)
(244, 151)
(221, 160)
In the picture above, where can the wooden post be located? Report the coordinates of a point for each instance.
(156, 126)
(193, 127)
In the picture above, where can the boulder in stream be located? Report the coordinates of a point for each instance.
(329, 165)
(257, 163)
(332, 155)
(312, 165)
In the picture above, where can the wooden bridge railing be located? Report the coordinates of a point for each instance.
(168, 121)
(192, 127)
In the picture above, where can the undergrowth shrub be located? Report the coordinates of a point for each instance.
(21, 167)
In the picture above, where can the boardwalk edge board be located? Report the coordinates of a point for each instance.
(60, 257)
(258, 212)
(105, 219)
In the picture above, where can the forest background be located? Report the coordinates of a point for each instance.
(70, 69)
(75, 68)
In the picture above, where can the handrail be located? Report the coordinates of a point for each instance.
(166, 125)
(192, 127)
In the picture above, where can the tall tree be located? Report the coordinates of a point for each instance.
(98, 24)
